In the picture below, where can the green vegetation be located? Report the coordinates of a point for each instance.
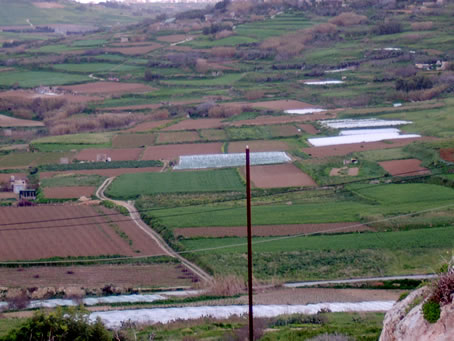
(23, 159)
(99, 165)
(95, 67)
(431, 311)
(31, 79)
(99, 138)
(134, 185)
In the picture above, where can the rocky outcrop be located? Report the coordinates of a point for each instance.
(405, 321)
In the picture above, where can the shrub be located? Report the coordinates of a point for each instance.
(223, 52)
(444, 288)
(348, 19)
(390, 27)
(431, 311)
(422, 26)
(414, 83)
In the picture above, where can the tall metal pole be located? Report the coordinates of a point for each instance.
(249, 243)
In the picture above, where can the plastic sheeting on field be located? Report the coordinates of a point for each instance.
(230, 160)
(328, 82)
(114, 319)
(369, 131)
(336, 140)
(304, 111)
(362, 123)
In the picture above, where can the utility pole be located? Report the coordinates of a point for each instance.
(249, 243)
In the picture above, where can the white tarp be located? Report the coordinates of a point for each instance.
(230, 160)
(362, 123)
(323, 82)
(114, 319)
(369, 131)
(336, 140)
(304, 111)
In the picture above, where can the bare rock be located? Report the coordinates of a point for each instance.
(405, 321)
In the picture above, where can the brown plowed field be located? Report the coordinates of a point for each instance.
(358, 147)
(133, 140)
(283, 119)
(447, 154)
(204, 123)
(258, 146)
(93, 235)
(133, 107)
(134, 50)
(174, 38)
(6, 177)
(178, 137)
(282, 105)
(268, 230)
(147, 126)
(69, 192)
(102, 172)
(309, 128)
(6, 121)
(284, 175)
(108, 88)
(125, 154)
(8, 195)
(155, 275)
(172, 152)
(404, 167)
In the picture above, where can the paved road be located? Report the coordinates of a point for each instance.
(151, 233)
(357, 280)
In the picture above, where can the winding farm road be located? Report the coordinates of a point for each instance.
(151, 233)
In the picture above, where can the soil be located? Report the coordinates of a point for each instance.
(309, 128)
(108, 88)
(125, 154)
(283, 119)
(320, 152)
(282, 105)
(174, 38)
(274, 176)
(258, 146)
(147, 126)
(172, 152)
(8, 195)
(319, 295)
(103, 172)
(404, 167)
(79, 231)
(152, 106)
(155, 275)
(205, 123)
(134, 50)
(69, 192)
(269, 230)
(284, 131)
(47, 5)
(6, 177)
(447, 154)
(6, 121)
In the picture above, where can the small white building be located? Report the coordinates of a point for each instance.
(18, 185)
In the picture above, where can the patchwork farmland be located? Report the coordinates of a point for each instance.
(130, 143)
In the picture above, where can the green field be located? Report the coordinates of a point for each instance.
(23, 159)
(31, 79)
(83, 139)
(96, 67)
(134, 185)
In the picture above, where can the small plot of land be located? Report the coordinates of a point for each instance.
(269, 230)
(284, 131)
(101, 172)
(178, 137)
(174, 38)
(214, 134)
(6, 177)
(357, 147)
(285, 175)
(134, 50)
(282, 105)
(134, 185)
(283, 119)
(258, 146)
(133, 140)
(172, 152)
(23, 159)
(147, 126)
(404, 167)
(447, 154)
(344, 171)
(308, 128)
(32, 95)
(125, 154)
(154, 275)
(108, 88)
(133, 107)
(206, 123)
(68, 234)
(69, 192)
(48, 5)
(6, 121)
